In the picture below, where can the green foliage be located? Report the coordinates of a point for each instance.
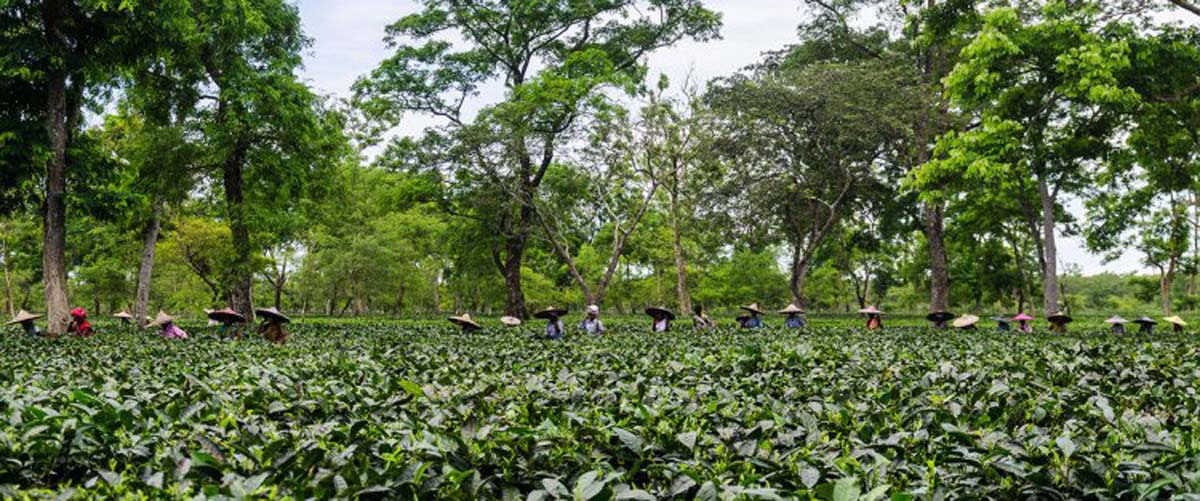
(417, 410)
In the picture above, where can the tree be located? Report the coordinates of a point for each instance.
(270, 141)
(1146, 188)
(1038, 80)
(58, 54)
(555, 60)
(805, 145)
(621, 173)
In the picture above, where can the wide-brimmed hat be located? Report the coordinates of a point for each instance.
(464, 319)
(655, 310)
(122, 314)
(1000, 319)
(551, 312)
(1174, 319)
(1116, 319)
(273, 313)
(79, 313)
(225, 315)
(871, 310)
(1022, 316)
(966, 321)
(161, 319)
(510, 321)
(593, 309)
(1059, 317)
(791, 310)
(753, 308)
(23, 316)
(1145, 320)
(940, 316)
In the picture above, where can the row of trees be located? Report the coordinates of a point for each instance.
(170, 156)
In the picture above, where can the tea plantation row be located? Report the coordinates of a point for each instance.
(420, 411)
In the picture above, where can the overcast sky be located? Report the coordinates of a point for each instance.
(348, 42)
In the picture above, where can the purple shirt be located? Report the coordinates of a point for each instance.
(173, 332)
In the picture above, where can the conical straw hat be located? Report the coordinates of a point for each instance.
(23, 316)
(464, 319)
(161, 319)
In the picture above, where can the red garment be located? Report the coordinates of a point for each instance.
(79, 324)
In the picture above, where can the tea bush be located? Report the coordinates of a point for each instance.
(419, 410)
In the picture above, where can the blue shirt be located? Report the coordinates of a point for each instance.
(554, 329)
(753, 323)
(795, 322)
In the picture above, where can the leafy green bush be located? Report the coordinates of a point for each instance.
(419, 410)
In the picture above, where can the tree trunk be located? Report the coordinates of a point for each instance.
(939, 269)
(799, 275)
(54, 275)
(1050, 267)
(437, 291)
(141, 300)
(682, 295)
(240, 297)
(8, 289)
(514, 304)
(1165, 284)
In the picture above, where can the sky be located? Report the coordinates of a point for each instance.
(348, 42)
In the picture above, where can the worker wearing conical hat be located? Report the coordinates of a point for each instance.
(1145, 325)
(939, 319)
(231, 322)
(1177, 324)
(660, 318)
(272, 327)
(793, 317)
(1023, 324)
(123, 316)
(1058, 322)
(468, 325)
(755, 320)
(554, 325)
(25, 320)
(966, 322)
(167, 323)
(874, 317)
(1117, 323)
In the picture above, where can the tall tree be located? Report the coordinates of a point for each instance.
(57, 54)
(805, 145)
(555, 59)
(269, 138)
(1145, 189)
(1035, 77)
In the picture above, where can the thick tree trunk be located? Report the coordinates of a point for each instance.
(6, 256)
(437, 291)
(799, 276)
(514, 304)
(54, 235)
(939, 269)
(1050, 266)
(240, 297)
(1168, 275)
(141, 300)
(682, 295)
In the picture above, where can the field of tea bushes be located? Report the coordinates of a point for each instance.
(416, 410)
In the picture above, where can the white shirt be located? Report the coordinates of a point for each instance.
(592, 325)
